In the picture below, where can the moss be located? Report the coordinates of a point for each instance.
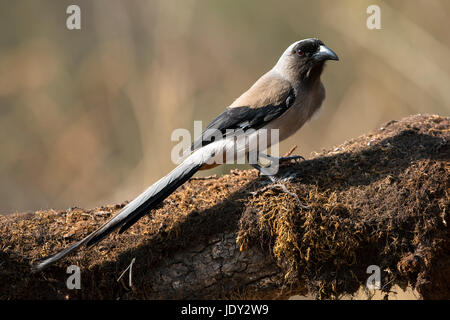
(381, 199)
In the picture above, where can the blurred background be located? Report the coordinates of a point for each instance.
(86, 115)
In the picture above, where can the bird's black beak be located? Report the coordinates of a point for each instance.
(323, 54)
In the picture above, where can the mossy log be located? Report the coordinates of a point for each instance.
(380, 199)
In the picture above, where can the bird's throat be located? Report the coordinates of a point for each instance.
(313, 74)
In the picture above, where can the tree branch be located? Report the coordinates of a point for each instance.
(380, 199)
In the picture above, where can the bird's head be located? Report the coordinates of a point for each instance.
(304, 59)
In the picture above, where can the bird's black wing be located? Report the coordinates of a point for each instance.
(243, 118)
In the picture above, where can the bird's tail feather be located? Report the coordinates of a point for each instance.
(133, 211)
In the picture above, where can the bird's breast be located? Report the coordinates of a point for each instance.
(304, 107)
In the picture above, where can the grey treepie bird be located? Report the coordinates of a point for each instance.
(284, 98)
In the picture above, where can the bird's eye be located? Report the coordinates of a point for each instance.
(300, 52)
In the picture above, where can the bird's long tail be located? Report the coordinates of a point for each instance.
(133, 211)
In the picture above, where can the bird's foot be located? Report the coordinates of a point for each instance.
(272, 170)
